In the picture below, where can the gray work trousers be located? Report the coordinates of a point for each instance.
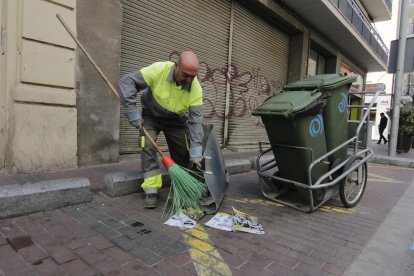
(176, 134)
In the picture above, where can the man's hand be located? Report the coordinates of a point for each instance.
(137, 123)
(196, 157)
(196, 162)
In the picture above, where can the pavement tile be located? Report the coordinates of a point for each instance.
(146, 255)
(100, 242)
(7, 252)
(279, 269)
(167, 268)
(181, 259)
(61, 254)
(48, 267)
(237, 272)
(108, 267)
(123, 242)
(3, 241)
(113, 223)
(105, 230)
(89, 254)
(333, 269)
(15, 266)
(76, 243)
(308, 269)
(118, 255)
(33, 253)
(78, 267)
(11, 229)
(254, 269)
(138, 268)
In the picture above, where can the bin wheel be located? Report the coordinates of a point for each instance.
(352, 187)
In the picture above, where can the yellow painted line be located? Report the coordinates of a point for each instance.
(379, 178)
(328, 208)
(257, 201)
(324, 208)
(206, 258)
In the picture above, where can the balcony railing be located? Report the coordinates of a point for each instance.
(362, 25)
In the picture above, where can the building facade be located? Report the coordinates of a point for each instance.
(56, 112)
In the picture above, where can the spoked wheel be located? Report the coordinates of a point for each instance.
(352, 187)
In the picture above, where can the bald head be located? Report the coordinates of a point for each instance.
(187, 68)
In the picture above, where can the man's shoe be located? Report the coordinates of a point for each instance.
(378, 143)
(150, 201)
(386, 141)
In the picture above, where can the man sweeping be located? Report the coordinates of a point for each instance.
(172, 103)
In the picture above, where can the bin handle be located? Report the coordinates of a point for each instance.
(315, 91)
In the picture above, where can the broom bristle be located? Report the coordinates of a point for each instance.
(188, 191)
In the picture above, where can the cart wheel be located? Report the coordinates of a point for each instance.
(352, 187)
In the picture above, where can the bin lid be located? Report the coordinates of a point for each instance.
(323, 82)
(285, 103)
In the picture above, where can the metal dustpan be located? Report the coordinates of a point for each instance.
(215, 172)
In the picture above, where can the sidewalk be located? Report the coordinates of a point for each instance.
(116, 236)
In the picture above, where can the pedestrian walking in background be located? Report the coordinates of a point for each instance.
(381, 127)
(171, 103)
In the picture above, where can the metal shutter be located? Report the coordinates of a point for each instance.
(157, 30)
(260, 58)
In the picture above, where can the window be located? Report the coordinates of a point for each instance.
(316, 63)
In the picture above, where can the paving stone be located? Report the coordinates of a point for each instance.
(75, 244)
(113, 223)
(7, 252)
(2, 241)
(94, 213)
(33, 253)
(11, 229)
(145, 255)
(105, 230)
(48, 267)
(123, 242)
(129, 232)
(176, 245)
(333, 269)
(107, 267)
(118, 255)
(167, 268)
(166, 252)
(308, 269)
(90, 255)
(180, 259)
(138, 268)
(62, 254)
(280, 269)
(78, 267)
(15, 266)
(100, 242)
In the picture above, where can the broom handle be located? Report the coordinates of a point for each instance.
(101, 73)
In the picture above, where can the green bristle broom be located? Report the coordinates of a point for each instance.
(187, 190)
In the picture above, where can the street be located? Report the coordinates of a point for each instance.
(116, 236)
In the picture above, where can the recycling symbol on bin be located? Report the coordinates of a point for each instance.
(316, 126)
(342, 103)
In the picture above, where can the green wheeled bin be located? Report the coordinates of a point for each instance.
(335, 113)
(295, 128)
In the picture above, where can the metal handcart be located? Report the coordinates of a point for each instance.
(348, 178)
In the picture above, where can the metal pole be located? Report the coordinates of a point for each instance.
(399, 76)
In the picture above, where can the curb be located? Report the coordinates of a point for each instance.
(392, 161)
(18, 200)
